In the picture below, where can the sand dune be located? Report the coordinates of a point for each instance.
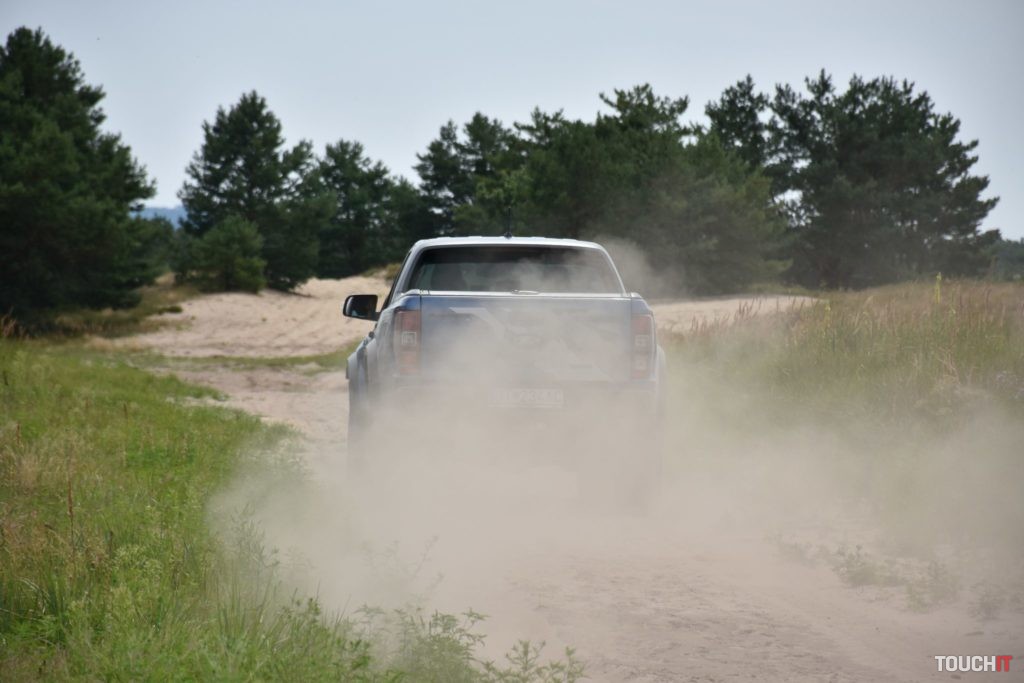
(269, 324)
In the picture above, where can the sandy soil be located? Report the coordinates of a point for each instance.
(683, 593)
(269, 324)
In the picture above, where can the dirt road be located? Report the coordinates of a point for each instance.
(693, 590)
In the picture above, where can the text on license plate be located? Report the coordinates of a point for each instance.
(529, 398)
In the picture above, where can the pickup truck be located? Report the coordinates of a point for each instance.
(522, 329)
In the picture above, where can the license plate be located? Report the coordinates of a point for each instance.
(527, 398)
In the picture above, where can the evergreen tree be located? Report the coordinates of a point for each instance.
(740, 122)
(707, 224)
(636, 173)
(357, 234)
(445, 183)
(573, 177)
(227, 257)
(243, 169)
(877, 184)
(455, 164)
(886, 187)
(67, 189)
(411, 217)
(1006, 259)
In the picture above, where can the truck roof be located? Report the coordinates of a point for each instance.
(500, 241)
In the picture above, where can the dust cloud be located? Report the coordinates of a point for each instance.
(744, 541)
(638, 275)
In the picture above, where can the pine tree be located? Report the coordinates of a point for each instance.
(358, 232)
(740, 122)
(243, 169)
(227, 257)
(67, 189)
(636, 173)
(885, 184)
(877, 184)
(455, 164)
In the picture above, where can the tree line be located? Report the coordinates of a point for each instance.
(821, 186)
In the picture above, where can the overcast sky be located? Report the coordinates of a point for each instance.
(388, 74)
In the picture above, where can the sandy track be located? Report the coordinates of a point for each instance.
(684, 593)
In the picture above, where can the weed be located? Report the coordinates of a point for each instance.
(988, 601)
(524, 665)
(857, 568)
(937, 585)
(795, 551)
(443, 648)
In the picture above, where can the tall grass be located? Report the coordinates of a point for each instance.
(163, 296)
(108, 567)
(911, 351)
(908, 399)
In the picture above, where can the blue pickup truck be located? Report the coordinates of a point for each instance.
(532, 329)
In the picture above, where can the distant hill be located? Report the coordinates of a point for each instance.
(175, 214)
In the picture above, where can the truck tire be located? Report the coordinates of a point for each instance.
(358, 427)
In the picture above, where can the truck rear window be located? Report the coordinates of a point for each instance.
(512, 269)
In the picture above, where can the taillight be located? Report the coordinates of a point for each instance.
(407, 342)
(642, 355)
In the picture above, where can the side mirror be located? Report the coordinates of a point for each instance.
(361, 306)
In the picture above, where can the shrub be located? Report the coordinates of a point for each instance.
(227, 258)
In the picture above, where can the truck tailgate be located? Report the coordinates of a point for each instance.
(527, 340)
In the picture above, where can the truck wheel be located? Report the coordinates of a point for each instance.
(358, 432)
(355, 460)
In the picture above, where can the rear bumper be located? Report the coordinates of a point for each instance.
(533, 398)
(596, 420)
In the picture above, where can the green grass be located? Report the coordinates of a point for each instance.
(309, 365)
(109, 569)
(106, 565)
(163, 296)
